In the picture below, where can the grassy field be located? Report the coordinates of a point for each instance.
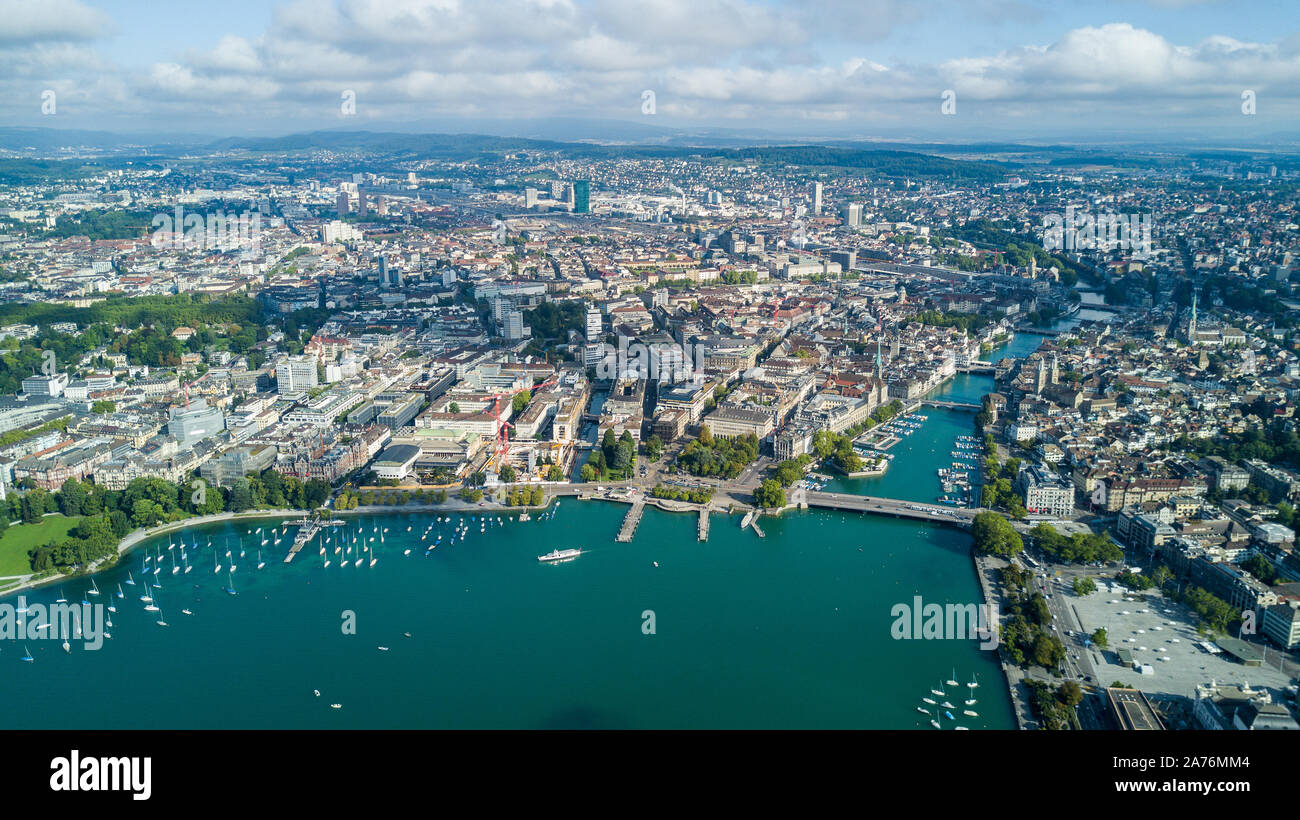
(19, 538)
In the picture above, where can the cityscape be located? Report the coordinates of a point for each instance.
(685, 424)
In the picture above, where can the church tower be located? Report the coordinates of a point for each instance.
(1191, 323)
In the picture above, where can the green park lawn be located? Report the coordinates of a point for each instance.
(19, 538)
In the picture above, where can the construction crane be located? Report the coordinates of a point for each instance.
(501, 440)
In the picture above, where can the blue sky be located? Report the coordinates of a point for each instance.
(1022, 69)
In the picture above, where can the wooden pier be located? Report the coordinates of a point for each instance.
(307, 530)
(703, 529)
(631, 521)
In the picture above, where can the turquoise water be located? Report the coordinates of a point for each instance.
(792, 630)
(788, 631)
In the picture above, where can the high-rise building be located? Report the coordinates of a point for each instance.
(817, 199)
(853, 214)
(361, 202)
(530, 197)
(295, 374)
(342, 203)
(582, 197)
(513, 324)
(593, 324)
(383, 271)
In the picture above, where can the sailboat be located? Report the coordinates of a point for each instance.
(67, 647)
(161, 620)
(61, 599)
(120, 593)
(111, 606)
(953, 680)
(157, 562)
(260, 562)
(94, 589)
(970, 701)
(129, 580)
(186, 560)
(974, 682)
(970, 712)
(230, 586)
(940, 692)
(326, 561)
(28, 657)
(934, 721)
(175, 566)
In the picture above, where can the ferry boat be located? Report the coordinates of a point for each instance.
(559, 555)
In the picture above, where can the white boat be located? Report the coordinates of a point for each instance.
(970, 701)
(970, 713)
(934, 721)
(974, 682)
(923, 710)
(962, 728)
(336, 706)
(930, 701)
(953, 680)
(382, 648)
(947, 705)
(186, 612)
(94, 590)
(559, 555)
(260, 562)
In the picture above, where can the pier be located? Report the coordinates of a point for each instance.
(703, 529)
(307, 531)
(630, 523)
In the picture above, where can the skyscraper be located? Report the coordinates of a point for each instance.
(582, 197)
(593, 324)
(342, 203)
(817, 199)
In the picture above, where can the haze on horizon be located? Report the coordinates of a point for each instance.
(1018, 70)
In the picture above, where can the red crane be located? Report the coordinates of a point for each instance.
(501, 444)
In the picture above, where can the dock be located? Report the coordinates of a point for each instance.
(703, 529)
(307, 530)
(630, 523)
(757, 528)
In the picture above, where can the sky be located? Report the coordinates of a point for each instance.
(947, 70)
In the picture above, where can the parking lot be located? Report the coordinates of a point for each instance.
(1160, 633)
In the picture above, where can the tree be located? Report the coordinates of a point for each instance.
(995, 535)
(507, 473)
(520, 401)
(554, 473)
(770, 494)
(72, 497)
(1084, 586)
(453, 407)
(654, 447)
(1100, 639)
(706, 437)
(588, 472)
(1069, 694)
